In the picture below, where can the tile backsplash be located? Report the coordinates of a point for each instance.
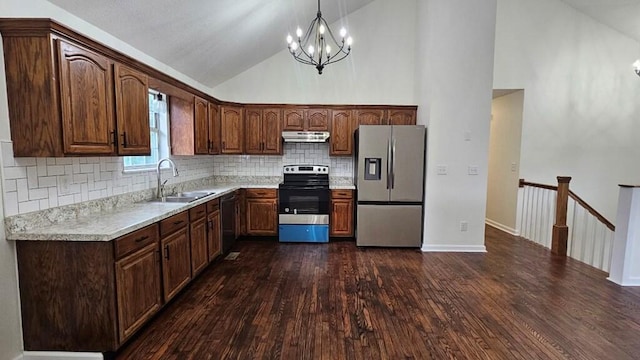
(32, 184)
(293, 153)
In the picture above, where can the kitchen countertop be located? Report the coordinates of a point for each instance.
(110, 224)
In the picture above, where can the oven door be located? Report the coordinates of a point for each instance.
(308, 201)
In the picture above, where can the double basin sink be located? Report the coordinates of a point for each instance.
(184, 197)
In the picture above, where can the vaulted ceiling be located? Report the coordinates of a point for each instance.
(209, 40)
(214, 40)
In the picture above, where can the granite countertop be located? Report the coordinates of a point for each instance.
(110, 224)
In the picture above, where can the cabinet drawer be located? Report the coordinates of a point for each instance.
(342, 194)
(169, 225)
(136, 240)
(262, 193)
(197, 212)
(213, 205)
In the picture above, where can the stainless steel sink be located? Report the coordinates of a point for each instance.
(175, 199)
(196, 194)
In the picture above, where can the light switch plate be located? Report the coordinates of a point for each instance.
(473, 170)
(441, 170)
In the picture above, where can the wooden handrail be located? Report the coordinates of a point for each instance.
(524, 183)
(592, 211)
(576, 198)
(560, 230)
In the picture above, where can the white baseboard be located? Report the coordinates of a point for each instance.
(499, 226)
(19, 357)
(626, 282)
(59, 355)
(454, 248)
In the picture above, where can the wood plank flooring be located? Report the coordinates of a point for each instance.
(335, 301)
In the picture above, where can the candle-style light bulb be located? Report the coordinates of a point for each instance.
(321, 29)
(299, 32)
(343, 32)
(289, 39)
(349, 41)
(310, 50)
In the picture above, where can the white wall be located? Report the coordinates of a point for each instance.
(379, 70)
(504, 160)
(581, 109)
(455, 43)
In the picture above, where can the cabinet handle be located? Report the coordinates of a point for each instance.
(178, 222)
(124, 139)
(114, 138)
(141, 239)
(166, 252)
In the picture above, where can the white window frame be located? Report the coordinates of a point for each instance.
(161, 129)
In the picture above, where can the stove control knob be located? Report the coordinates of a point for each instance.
(286, 210)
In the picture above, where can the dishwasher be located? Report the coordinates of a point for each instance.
(228, 206)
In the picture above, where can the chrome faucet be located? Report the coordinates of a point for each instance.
(160, 190)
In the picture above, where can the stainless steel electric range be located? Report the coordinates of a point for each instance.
(303, 200)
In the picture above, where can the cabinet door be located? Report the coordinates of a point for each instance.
(341, 217)
(271, 133)
(132, 106)
(198, 237)
(214, 129)
(176, 262)
(401, 117)
(262, 217)
(253, 131)
(86, 96)
(213, 232)
(318, 119)
(341, 133)
(201, 129)
(293, 120)
(138, 288)
(369, 117)
(232, 130)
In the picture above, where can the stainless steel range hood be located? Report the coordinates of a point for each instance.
(305, 136)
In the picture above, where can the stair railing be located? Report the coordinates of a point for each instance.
(555, 217)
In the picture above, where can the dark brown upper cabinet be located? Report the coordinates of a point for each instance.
(262, 131)
(302, 119)
(132, 105)
(86, 94)
(341, 140)
(182, 123)
(232, 129)
(214, 129)
(369, 117)
(201, 119)
(401, 116)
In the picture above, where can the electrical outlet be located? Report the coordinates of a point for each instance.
(441, 170)
(514, 167)
(473, 170)
(464, 226)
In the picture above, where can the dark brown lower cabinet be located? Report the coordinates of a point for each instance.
(139, 289)
(176, 262)
(213, 234)
(341, 220)
(199, 254)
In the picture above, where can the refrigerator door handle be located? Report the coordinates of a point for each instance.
(389, 164)
(393, 163)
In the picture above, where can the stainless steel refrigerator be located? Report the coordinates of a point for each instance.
(389, 178)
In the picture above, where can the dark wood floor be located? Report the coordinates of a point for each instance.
(335, 301)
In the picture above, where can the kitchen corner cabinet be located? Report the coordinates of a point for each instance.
(198, 238)
(341, 140)
(176, 254)
(232, 129)
(262, 131)
(214, 245)
(341, 220)
(262, 212)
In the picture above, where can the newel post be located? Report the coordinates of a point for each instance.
(560, 229)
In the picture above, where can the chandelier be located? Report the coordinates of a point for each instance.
(636, 67)
(318, 47)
